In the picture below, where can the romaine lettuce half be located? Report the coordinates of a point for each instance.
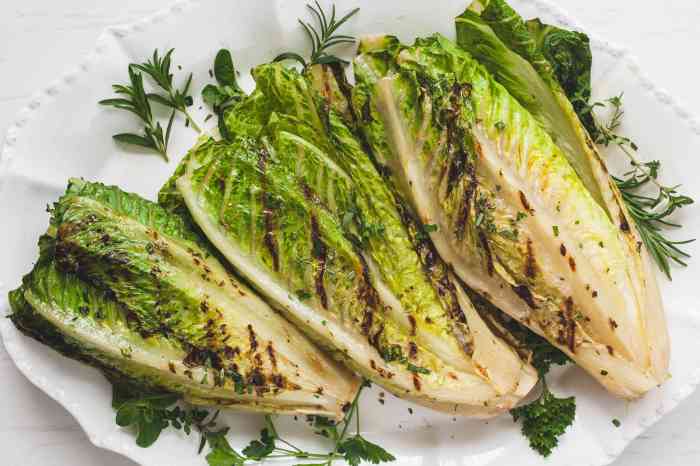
(127, 287)
(512, 215)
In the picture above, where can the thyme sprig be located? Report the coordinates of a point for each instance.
(651, 213)
(322, 38)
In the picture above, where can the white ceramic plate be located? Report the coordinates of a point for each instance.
(64, 133)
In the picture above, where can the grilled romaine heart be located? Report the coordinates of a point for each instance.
(511, 215)
(126, 286)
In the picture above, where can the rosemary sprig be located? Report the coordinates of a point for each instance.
(135, 100)
(650, 213)
(323, 39)
(178, 99)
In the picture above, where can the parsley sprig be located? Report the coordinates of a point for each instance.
(651, 213)
(226, 92)
(352, 448)
(545, 419)
(150, 414)
(322, 38)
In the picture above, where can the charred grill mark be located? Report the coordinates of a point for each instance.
(268, 212)
(416, 382)
(171, 366)
(320, 253)
(613, 324)
(256, 378)
(572, 264)
(530, 264)
(624, 224)
(271, 354)
(465, 206)
(525, 294)
(458, 164)
(367, 320)
(278, 380)
(487, 250)
(525, 203)
(231, 353)
(412, 350)
(611, 352)
(412, 321)
(562, 249)
(197, 357)
(368, 295)
(374, 340)
(252, 338)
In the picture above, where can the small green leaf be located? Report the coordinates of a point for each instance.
(119, 103)
(357, 449)
(149, 431)
(224, 71)
(212, 95)
(161, 100)
(127, 415)
(221, 453)
(290, 56)
(134, 139)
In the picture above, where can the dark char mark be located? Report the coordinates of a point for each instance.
(320, 253)
(271, 354)
(416, 382)
(525, 294)
(268, 212)
(487, 250)
(525, 203)
(253, 339)
(530, 264)
(412, 321)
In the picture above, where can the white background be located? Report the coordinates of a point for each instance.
(41, 38)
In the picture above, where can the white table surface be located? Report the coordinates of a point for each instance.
(41, 38)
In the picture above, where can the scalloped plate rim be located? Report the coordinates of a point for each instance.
(9, 334)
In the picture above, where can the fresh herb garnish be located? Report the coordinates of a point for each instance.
(545, 419)
(322, 40)
(353, 449)
(650, 212)
(178, 99)
(135, 100)
(227, 92)
(150, 414)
